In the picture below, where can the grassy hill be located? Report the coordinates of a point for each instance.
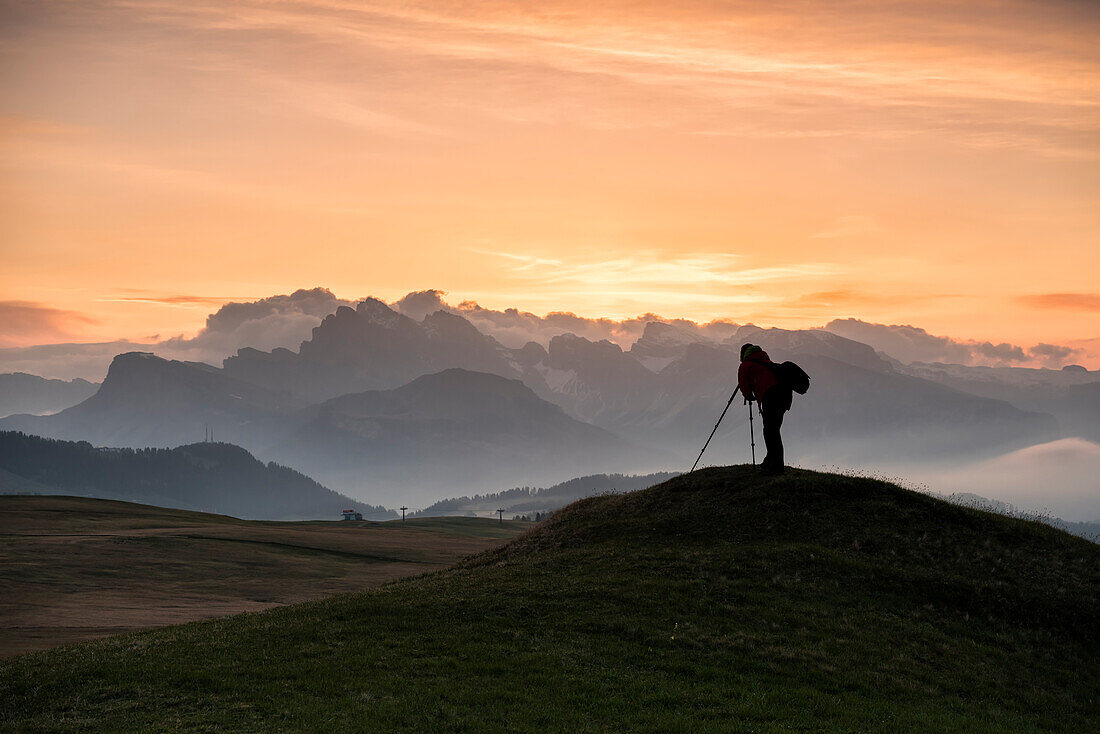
(717, 601)
(77, 568)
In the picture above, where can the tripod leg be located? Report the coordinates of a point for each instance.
(728, 404)
(752, 436)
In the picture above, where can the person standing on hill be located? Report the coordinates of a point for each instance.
(758, 381)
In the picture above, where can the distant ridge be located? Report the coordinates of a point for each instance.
(24, 393)
(149, 401)
(207, 477)
(442, 433)
(530, 500)
(451, 429)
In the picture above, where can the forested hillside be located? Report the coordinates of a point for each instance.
(209, 477)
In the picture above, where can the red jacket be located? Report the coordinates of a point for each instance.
(754, 377)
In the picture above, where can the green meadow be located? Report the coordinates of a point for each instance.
(715, 602)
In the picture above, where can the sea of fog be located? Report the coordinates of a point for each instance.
(1060, 478)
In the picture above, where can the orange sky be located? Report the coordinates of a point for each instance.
(784, 163)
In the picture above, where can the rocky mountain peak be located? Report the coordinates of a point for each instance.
(374, 311)
(531, 353)
(451, 326)
(781, 344)
(661, 343)
(658, 332)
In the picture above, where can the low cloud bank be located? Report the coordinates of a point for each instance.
(514, 328)
(67, 361)
(911, 344)
(1024, 478)
(276, 321)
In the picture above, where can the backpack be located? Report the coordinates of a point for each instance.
(791, 375)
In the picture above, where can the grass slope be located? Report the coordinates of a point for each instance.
(717, 601)
(76, 568)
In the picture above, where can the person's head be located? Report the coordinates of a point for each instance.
(748, 350)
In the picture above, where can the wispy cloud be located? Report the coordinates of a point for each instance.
(854, 298)
(25, 322)
(912, 344)
(944, 74)
(522, 263)
(850, 225)
(341, 103)
(1064, 301)
(636, 272)
(173, 300)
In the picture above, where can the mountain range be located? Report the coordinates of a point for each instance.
(454, 429)
(379, 404)
(662, 391)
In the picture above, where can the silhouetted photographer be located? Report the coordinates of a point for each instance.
(760, 379)
(771, 385)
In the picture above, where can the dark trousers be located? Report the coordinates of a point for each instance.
(773, 405)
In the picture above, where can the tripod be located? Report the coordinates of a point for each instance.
(752, 432)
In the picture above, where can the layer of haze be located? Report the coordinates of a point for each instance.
(1057, 478)
(928, 163)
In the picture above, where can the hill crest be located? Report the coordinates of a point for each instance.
(975, 559)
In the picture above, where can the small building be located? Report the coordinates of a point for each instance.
(352, 515)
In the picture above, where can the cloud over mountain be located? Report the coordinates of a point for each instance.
(287, 320)
(276, 321)
(514, 328)
(908, 344)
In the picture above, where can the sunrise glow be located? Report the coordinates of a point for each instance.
(935, 164)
